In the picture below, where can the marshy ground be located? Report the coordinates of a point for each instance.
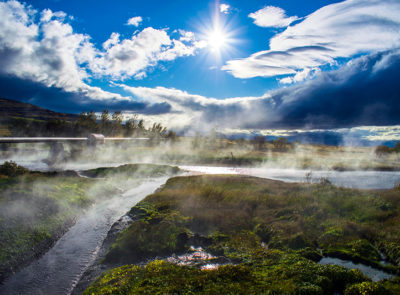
(273, 233)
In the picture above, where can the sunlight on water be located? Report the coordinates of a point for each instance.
(351, 179)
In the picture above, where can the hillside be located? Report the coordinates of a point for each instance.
(11, 108)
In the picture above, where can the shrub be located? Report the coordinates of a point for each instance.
(382, 150)
(12, 169)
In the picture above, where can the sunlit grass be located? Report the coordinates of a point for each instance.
(235, 214)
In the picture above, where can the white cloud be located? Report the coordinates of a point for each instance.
(319, 103)
(343, 29)
(381, 133)
(186, 36)
(134, 21)
(200, 113)
(46, 50)
(307, 73)
(224, 8)
(273, 17)
(47, 15)
(271, 63)
(135, 56)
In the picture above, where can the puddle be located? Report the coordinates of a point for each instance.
(373, 273)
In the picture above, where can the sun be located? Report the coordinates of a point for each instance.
(217, 39)
(217, 34)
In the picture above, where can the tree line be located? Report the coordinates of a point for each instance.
(108, 124)
(382, 150)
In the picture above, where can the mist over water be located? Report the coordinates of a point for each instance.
(350, 179)
(279, 166)
(59, 270)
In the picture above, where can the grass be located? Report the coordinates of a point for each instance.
(133, 170)
(270, 230)
(35, 211)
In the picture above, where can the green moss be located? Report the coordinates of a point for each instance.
(154, 233)
(276, 273)
(357, 250)
(367, 288)
(270, 228)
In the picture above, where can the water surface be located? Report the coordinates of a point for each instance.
(59, 270)
(373, 273)
(351, 179)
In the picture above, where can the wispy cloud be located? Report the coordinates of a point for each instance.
(340, 30)
(272, 17)
(134, 21)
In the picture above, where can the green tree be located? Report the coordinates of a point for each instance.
(171, 135)
(141, 128)
(131, 126)
(281, 144)
(258, 142)
(86, 123)
(116, 123)
(396, 147)
(105, 123)
(382, 150)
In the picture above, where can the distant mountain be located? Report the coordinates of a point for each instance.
(11, 108)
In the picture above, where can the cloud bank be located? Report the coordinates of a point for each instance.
(43, 48)
(341, 30)
(364, 92)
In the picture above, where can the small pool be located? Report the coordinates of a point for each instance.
(373, 273)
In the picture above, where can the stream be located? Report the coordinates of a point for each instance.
(59, 270)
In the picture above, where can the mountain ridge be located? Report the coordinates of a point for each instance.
(11, 109)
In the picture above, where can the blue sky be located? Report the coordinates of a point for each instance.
(243, 67)
(195, 74)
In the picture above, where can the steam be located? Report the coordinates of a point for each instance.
(211, 150)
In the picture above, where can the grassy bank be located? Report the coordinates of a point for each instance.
(270, 230)
(132, 170)
(37, 208)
